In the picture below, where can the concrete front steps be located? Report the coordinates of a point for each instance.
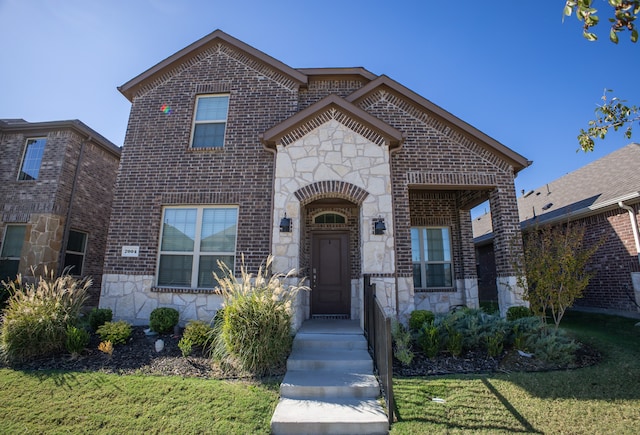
(329, 387)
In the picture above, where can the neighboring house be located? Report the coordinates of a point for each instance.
(337, 172)
(56, 187)
(605, 197)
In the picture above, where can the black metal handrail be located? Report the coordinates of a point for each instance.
(377, 330)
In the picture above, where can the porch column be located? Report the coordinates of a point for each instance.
(507, 244)
(469, 281)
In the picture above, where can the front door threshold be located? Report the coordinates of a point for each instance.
(330, 317)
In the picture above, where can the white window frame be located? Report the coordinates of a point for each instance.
(424, 263)
(75, 272)
(196, 253)
(209, 121)
(28, 142)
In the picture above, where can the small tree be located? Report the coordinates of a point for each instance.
(553, 269)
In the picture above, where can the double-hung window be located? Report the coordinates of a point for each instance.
(431, 256)
(210, 121)
(74, 255)
(32, 159)
(11, 247)
(193, 240)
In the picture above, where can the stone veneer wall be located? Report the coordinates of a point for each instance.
(42, 244)
(131, 299)
(332, 152)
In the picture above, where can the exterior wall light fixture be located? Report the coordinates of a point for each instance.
(285, 224)
(378, 226)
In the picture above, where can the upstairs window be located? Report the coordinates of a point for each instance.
(210, 121)
(74, 255)
(32, 159)
(193, 239)
(431, 256)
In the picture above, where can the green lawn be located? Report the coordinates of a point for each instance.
(98, 403)
(600, 399)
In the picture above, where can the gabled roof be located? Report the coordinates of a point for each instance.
(390, 134)
(129, 89)
(341, 73)
(20, 125)
(592, 189)
(516, 160)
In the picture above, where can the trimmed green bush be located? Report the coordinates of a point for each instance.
(419, 318)
(163, 320)
(518, 312)
(98, 317)
(255, 333)
(77, 340)
(198, 333)
(115, 332)
(35, 320)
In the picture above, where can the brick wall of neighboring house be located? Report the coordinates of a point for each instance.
(611, 286)
(159, 168)
(43, 204)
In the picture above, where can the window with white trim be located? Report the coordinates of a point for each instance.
(431, 257)
(11, 247)
(32, 159)
(192, 241)
(210, 121)
(75, 252)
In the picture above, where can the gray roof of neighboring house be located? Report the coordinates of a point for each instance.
(18, 125)
(591, 189)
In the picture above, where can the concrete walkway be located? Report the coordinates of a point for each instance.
(329, 386)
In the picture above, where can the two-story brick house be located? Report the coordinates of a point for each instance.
(337, 172)
(56, 187)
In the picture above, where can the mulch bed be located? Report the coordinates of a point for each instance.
(139, 356)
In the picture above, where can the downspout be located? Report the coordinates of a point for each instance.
(67, 223)
(634, 225)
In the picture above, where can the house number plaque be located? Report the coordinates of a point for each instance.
(130, 251)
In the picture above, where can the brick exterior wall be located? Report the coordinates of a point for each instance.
(437, 174)
(38, 203)
(611, 286)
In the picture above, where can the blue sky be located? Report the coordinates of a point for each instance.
(512, 69)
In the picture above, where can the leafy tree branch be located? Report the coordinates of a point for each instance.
(624, 14)
(614, 114)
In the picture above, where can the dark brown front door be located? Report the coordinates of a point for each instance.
(331, 287)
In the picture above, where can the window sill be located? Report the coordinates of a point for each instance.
(435, 290)
(185, 290)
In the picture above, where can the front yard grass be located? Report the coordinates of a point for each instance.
(97, 403)
(604, 398)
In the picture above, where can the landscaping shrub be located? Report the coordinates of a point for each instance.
(77, 340)
(198, 333)
(518, 312)
(255, 331)
(37, 315)
(455, 341)
(98, 317)
(476, 327)
(429, 339)
(186, 346)
(163, 320)
(115, 332)
(401, 343)
(419, 318)
(495, 344)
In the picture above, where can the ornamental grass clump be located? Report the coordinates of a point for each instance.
(35, 320)
(254, 334)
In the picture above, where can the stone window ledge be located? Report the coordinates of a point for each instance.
(184, 290)
(436, 290)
